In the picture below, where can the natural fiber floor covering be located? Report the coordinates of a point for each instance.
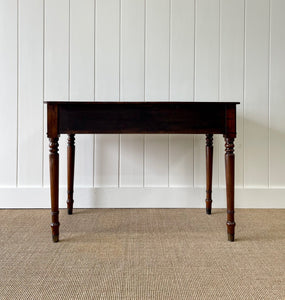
(142, 254)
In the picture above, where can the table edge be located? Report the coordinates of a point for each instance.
(137, 102)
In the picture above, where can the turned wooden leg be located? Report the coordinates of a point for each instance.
(230, 185)
(54, 174)
(209, 172)
(70, 172)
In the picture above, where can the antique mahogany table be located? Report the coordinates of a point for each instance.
(141, 117)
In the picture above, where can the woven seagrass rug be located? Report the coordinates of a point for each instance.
(142, 254)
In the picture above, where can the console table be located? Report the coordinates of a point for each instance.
(140, 117)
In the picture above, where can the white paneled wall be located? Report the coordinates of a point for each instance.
(276, 95)
(142, 50)
(9, 92)
(30, 90)
(256, 93)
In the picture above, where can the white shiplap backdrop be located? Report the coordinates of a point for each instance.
(142, 50)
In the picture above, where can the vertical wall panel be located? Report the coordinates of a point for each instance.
(181, 166)
(182, 50)
(132, 87)
(56, 49)
(132, 160)
(107, 72)
(232, 49)
(156, 160)
(157, 87)
(232, 70)
(277, 95)
(207, 50)
(82, 80)
(256, 93)
(207, 67)
(181, 88)
(132, 50)
(157, 50)
(107, 50)
(82, 50)
(30, 104)
(8, 92)
(106, 160)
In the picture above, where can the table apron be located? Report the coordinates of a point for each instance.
(136, 119)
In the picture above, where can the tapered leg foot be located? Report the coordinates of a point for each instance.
(208, 211)
(70, 172)
(55, 229)
(209, 172)
(231, 237)
(231, 228)
(69, 208)
(55, 238)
